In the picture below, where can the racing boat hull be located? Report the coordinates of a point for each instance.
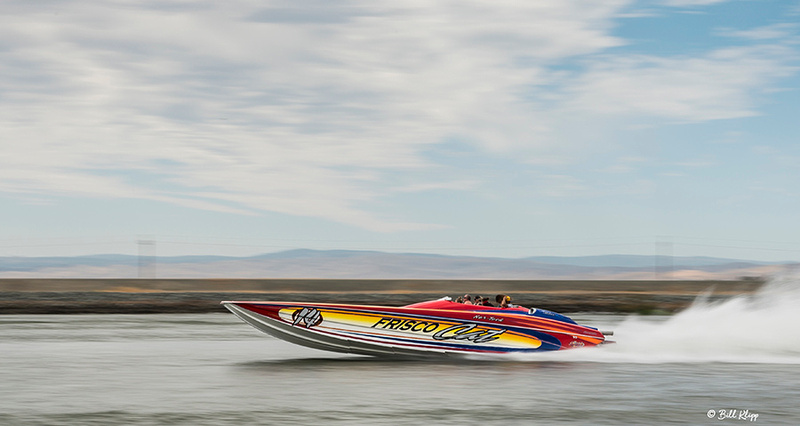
(438, 327)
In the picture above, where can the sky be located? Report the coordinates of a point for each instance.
(504, 128)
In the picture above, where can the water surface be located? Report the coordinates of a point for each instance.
(212, 369)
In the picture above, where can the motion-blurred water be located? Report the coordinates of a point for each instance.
(739, 358)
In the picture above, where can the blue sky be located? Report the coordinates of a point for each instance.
(508, 129)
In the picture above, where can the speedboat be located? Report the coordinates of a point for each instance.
(436, 327)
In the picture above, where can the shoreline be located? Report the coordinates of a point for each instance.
(150, 296)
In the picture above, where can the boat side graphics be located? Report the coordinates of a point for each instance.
(373, 330)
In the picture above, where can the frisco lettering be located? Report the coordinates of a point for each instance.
(469, 332)
(401, 324)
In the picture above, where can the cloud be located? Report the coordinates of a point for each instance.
(722, 84)
(767, 32)
(685, 3)
(313, 109)
(291, 108)
(461, 185)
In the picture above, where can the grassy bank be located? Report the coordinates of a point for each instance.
(73, 296)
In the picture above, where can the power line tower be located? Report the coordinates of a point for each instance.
(147, 258)
(663, 263)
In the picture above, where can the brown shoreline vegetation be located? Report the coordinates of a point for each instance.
(144, 296)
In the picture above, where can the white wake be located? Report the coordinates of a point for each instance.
(760, 328)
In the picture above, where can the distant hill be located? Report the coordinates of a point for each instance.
(634, 261)
(373, 264)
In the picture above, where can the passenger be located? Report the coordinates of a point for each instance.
(485, 302)
(503, 300)
(467, 299)
(459, 299)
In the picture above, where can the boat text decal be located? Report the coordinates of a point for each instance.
(309, 316)
(465, 331)
(469, 332)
